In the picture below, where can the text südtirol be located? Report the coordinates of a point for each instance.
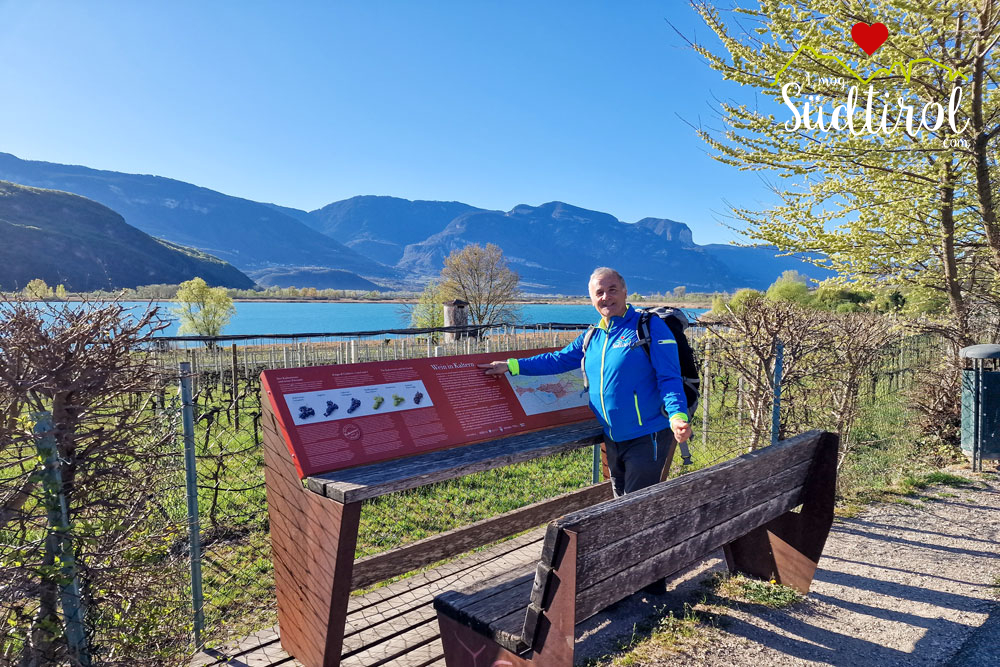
(860, 119)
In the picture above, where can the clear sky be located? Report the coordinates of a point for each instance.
(299, 103)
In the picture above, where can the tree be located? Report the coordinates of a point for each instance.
(37, 289)
(789, 287)
(88, 366)
(900, 209)
(60, 291)
(481, 277)
(203, 310)
(428, 312)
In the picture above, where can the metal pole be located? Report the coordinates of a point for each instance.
(779, 354)
(706, 382)
(59, 542)
(194, 528)
(977, 440)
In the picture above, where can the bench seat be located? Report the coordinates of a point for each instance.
(770, 511)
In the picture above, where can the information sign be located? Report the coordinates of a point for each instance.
(347, 415)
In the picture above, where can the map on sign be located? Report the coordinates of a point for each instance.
(547, 393)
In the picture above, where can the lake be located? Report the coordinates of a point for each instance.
(318, 317)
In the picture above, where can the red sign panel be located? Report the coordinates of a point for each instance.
(342, 416)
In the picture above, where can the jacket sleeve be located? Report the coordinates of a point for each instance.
(667, 366)
(550, 363)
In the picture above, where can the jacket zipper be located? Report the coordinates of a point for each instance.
(604, 349)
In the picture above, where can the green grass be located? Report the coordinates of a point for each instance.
(663, 634)
(405, 517)
(740, 588)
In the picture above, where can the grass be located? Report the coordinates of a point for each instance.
(740, 588)
(663, 634)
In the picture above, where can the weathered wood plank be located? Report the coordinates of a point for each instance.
(364, 482)
(599, 562)
(507, 600)
(257, 641)
(394, 648)
(382, 621)
(622, 584)
(632, 512)
(522, 549)
(412, 556)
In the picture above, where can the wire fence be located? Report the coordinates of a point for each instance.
(205, 547)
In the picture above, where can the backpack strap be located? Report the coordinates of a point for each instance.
(643, 336)
(583, 360)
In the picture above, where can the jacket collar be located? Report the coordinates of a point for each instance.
(605, 324)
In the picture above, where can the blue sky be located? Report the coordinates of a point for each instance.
(490, 103)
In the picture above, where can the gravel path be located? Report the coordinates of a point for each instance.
(910, 583)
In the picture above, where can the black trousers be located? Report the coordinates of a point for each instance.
(640, 462)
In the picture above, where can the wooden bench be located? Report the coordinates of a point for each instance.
(314, 527)
(594, 557)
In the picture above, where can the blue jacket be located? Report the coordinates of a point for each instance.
(630, 396)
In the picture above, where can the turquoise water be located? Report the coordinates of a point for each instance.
(288, 318)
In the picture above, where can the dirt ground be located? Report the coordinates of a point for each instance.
(914, 582)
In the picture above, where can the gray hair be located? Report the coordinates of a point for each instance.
(602, 271)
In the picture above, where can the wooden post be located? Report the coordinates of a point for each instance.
(313, 539)
(706, 381)
(233, 393)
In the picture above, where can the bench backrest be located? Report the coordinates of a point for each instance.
(619, 546)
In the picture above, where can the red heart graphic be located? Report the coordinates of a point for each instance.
(869, 37)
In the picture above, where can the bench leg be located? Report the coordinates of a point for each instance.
(787, 549)
(312, 541)
(464, 647)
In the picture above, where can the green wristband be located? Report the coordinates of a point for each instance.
(513, 366)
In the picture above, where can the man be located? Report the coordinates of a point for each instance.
(637, 397)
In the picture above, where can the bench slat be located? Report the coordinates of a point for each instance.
(624, 516)
(383, 603)
(591, 600)
(496, 610)
(432, 549)
(364, 482)
(599, 563)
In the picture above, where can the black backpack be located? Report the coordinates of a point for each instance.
(677, 321)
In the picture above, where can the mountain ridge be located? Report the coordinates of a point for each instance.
(95, 247)
(399, 243)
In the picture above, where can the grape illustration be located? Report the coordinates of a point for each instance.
(417, 398)
(378, 402)
(397, 399)
(305, 412)
(355, 404)
(330, 407)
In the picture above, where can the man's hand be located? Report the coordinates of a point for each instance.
(681, 429)
(495, 367)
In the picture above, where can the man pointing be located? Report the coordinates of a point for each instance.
(638, 397)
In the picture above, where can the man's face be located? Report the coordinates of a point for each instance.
(608, 296)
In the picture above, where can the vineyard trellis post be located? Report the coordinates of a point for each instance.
(194, 525)
(58, 540)
(779, 356)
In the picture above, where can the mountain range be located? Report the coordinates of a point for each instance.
(375, 242)
(66, 239)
